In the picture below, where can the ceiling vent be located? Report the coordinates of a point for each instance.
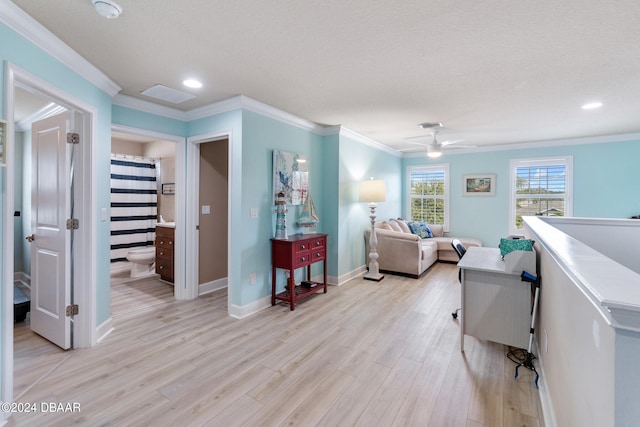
(167, 94)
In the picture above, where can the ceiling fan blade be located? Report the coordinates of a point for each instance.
(423, 144)
(451, 141)
(455, 147)
(403, 150)
(419, 138)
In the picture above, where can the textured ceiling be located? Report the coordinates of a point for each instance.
(493, 72)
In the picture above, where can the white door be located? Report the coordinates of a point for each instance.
(50, 241)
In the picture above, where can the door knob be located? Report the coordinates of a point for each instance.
(31, 238)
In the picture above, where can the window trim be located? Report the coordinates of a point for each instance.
(441, 167)
(566, 161)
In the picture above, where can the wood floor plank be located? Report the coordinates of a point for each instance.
(349, 407)
(366, 353)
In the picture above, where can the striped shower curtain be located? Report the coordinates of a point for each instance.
(134, 204)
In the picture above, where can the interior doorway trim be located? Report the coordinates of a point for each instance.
(192, 210)
(84, 265)
(179, 285)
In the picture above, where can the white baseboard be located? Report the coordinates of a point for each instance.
(215, 285)
(548, 412)
(240, 312)
(23, 278)
(104, 329)
(341, 280)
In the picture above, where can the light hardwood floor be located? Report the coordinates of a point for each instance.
(364, 354)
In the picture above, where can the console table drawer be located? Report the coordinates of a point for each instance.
(299, 250)
(318, 255)
(301, 259)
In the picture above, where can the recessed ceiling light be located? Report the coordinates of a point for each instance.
(592, 105)
(192, 83)
(107, 8)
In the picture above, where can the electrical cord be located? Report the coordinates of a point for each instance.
(522, 357)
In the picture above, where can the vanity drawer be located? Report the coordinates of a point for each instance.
(165, 269)
(164, 253)
(164, 242)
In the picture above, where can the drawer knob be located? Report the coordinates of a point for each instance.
(302, 259)
(303, 246)
(162, 267)
(318, 254)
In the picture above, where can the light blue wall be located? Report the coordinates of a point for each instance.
(138, 119)
(260, 136)
(20, 52)
(330, 208)
(358, 161)
(603, 185)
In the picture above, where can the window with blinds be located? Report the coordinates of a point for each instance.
(540, 187)
(429, 194)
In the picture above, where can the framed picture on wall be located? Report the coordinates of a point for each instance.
(169, 188)
(479, 185)
(290, 176)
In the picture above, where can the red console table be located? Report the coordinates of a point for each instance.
(299, 250)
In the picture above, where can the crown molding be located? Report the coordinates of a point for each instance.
(158, 136)
(48, 110)
(277, 114)
(540, 144)
(215, 108)
(16, 19)
(149, 107)
(23, 24)
(346, 132)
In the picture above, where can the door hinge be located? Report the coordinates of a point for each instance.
(73, 224)
(73, 138)
(72, 310)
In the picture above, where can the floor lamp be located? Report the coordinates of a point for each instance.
(373, 191)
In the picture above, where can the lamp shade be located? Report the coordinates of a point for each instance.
(373, 190)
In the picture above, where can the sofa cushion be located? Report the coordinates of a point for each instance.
(403, 225)
(383, 225)
(394, 225)
(437, 230)
(421, 229)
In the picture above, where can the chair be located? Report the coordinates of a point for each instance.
(460, 250)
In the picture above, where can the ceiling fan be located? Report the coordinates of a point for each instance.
(434, 147)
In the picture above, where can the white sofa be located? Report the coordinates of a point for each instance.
(402, 252)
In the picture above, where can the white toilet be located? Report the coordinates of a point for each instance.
(143, 261)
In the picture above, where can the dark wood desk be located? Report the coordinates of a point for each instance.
(299, 250)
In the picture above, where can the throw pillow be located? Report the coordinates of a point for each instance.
(383, 225)
(394, 225)
(509, 245)
(403, 226)
(421, 229)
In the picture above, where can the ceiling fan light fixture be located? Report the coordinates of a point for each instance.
(433, 152)
(107, 8)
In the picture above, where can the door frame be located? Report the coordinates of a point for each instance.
(192, 212)
(84, 261)
(179, 245)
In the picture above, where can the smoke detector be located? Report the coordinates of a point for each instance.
(107, 8)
